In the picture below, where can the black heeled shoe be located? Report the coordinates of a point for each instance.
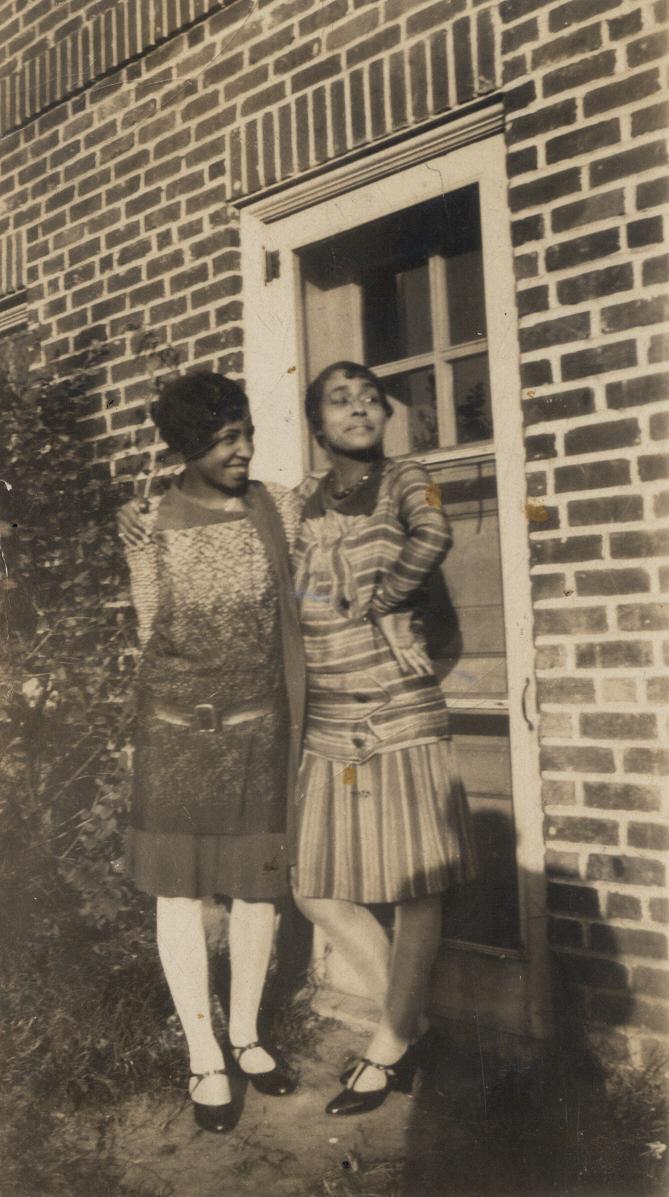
(217, 1119)
(420, 1048)
(274, 1083)
(398, 1076)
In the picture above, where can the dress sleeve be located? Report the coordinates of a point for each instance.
(428, 539)
(289, 507)
(143, 566)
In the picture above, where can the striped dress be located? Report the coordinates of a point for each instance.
(381, 813)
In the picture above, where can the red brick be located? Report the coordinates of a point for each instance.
(659, 910)
(560, 406)
(570, 621)
(222, 71)
(514, 68)
(654, 271)
(558, 331)
(591, 438)
(618, 726)
(325, 15)
(547, 118)
(592, 475)
(418, 81)
(434, 15)
(553, 551)
(649, 120)
(525, 266)
(644, 232)
(643, 617)
(572, 45)
(616, 581)
(652, 193)
(189, 278)
(297, 57)
(582, 249)
(621, 941)
(377, 109)
(623, 906)
(627, 870)
(625, 26)
(535, 374)
(319, 72)
(586, 362)
(582, 141)
(583, 831)
(646, 49)
(580, 901)
(574, 11)
(651, 543)
(596, 283)
(511, 10)
(547, 586)
(519, 35)
(521, 162)
(646, 760)
(588, 970)
(653, 467)
(628, 162)
(248, 81)
(532, 299)
(576, 73)
(565, 690)
(632, 392)
(353, 30)
(531, 228)
(462, 51)
(651, 981)
(565, 933)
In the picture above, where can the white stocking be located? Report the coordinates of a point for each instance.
(182, 949)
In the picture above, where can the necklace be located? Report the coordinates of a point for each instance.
(345, 491)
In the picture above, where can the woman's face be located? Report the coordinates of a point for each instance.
(226, 464)
(353, 417)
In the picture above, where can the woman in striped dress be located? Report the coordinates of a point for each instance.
(381, 815)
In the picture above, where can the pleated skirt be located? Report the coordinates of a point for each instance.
(394, 828)
(171, 865)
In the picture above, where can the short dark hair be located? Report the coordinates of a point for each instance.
(314, 397)
(192, 408)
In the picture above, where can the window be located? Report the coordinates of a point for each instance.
(406, 294)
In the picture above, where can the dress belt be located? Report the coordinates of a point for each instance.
(204, 716)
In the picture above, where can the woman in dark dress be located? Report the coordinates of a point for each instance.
(381, 814)
(220, 703)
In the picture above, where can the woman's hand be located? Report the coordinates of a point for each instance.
(130, 525)
(401, 640)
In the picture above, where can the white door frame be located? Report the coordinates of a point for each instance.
(508, 988)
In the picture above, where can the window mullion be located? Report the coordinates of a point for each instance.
(443, 376)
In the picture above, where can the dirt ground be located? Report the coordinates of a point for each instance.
(472, 1128)
(280, 1146)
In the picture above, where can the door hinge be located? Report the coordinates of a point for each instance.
(272, 265)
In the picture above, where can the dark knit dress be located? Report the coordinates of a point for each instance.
(209, 807)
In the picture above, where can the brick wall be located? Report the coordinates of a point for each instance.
(586, 132)
(117, 196)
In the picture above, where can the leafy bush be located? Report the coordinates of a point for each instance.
(83, 1004)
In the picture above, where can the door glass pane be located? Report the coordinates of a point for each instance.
(465, 630)
(471, 395)
(414, 401)
(396, 313)
(466, 300)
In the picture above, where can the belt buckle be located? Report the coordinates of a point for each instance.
(205, 715)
